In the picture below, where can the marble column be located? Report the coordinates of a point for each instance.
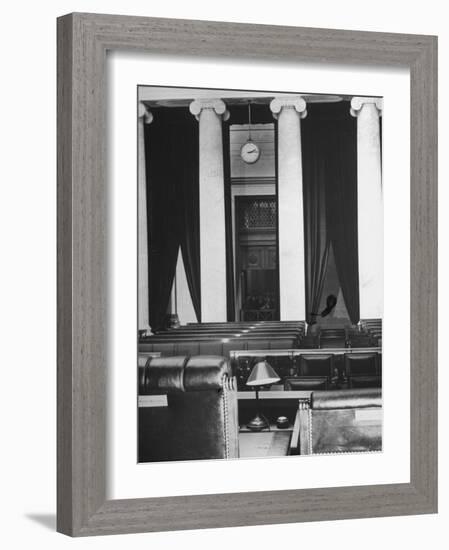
(289, 111)
(210, 114)
(370, 208)
(144, 117)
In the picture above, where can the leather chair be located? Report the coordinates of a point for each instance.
(332, 338)
(198, 420)
(363, 370)
(320, 364)
(362, 341)
(332, 343)
(315, 373)
(306, 383)
(339, 421)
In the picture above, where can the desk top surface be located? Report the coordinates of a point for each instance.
(263, 444)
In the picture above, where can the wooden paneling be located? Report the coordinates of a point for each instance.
(258, 257)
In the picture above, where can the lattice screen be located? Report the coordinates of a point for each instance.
(257, 213)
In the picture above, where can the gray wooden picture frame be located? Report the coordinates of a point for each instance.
(83, 40)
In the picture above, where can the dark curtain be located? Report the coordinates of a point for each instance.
(230, 294)
(172, 169)
(329, 141)
(188, 208)
(341, 209)
(316, 235)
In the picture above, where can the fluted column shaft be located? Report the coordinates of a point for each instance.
(209, 114)
(144, 117)
(289, 112)
(370, 207)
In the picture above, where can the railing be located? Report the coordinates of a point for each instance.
(258, 314)
(286, 361)
(292, 353)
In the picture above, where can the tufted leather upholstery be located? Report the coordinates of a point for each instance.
(200, 420)
(340, 421)
(346, 399)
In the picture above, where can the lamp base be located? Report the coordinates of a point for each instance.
(258, 423)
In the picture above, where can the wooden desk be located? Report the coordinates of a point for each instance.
(242, 396)
(274, 394)
(264, 444)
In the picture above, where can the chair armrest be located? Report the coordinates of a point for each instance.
(347, 399)
(301, 436)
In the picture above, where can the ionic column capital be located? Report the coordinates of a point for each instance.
(357, 104)
(298, 103)
(145, 113)
(216, 105)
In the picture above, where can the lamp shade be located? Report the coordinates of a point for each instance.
(262, 374)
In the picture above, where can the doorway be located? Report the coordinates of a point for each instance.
(256, 266)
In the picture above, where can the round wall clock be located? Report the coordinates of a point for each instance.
(250, 152)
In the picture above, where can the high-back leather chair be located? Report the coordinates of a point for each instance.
(315, 373)
(320, 364)
(198, 419)
(363, 370)
(339, 421)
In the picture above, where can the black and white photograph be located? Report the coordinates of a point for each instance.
(260, 274)
(222, 234)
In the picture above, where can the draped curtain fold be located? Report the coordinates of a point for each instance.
(316, 235)
(329, 142)
(172, 170)
(341, 191)
(189, 208)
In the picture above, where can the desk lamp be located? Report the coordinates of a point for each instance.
(261, 375)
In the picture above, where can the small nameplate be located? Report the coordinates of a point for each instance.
(153, 401)
(368, 415)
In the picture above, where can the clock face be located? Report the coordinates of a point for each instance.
(250, 152)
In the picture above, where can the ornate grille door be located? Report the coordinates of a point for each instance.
(258, 277)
